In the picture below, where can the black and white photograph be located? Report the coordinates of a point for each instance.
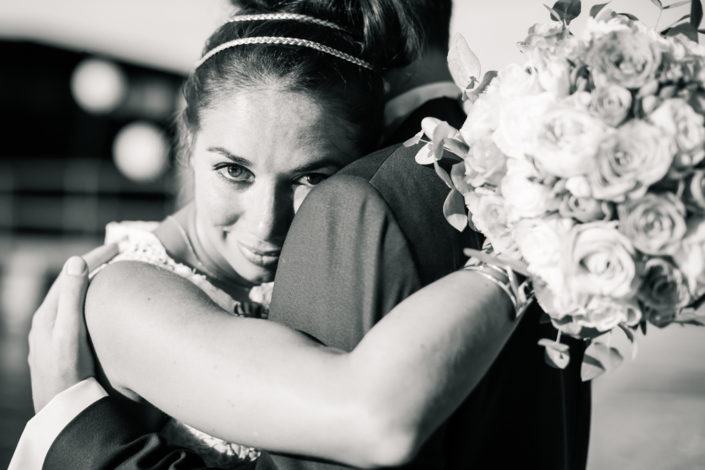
(329, 234)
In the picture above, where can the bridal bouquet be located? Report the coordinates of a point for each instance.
(584, 168)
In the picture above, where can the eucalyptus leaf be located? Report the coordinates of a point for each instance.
(599, 358)
(424, 156)
(591, 368)
(630, 16)
(414, 140)
(628, 332)
(596, 9)
(443, 174)
(428, 126)
(475, 93)
(557, 354)
(684, 17)
(441, 132)
(658, 4)
(463, 64)
(677, 4)
(549, 343)
(567, 10)
(691, 316)
(457, 175)
(605, 14)
(696, 14)
(554, 14)
(454, 211)
(556, 358)
(457, 147)
(685, 29)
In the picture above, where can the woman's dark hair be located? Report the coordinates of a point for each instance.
(352, 92)
(392, 33)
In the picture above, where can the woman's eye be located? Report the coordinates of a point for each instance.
(313, 179)
(236, 172)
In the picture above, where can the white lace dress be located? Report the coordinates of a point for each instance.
(136, 242)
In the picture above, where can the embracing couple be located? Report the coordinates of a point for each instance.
(234, 334)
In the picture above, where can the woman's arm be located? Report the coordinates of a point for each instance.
(259, 383)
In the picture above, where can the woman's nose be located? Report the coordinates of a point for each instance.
(271, 212)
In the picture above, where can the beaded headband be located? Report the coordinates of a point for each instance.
(285, 40)
(284, 16)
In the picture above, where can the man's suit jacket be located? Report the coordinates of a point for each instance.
(363, 241)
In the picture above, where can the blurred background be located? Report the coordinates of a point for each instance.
(89, 89)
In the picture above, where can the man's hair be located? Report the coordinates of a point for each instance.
(392, 33)
(434, 16)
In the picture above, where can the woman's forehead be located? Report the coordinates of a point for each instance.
(260, 125)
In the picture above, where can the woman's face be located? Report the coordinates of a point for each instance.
(255, 158)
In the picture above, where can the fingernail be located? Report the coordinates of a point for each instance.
(75, 266)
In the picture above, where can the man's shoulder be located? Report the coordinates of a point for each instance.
(383, 160)
(390, 184)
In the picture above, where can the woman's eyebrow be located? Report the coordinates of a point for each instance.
(329, 162)
(230, 156)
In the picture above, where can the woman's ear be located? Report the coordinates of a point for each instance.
(183, 149)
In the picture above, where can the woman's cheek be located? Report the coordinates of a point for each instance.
(220, 201)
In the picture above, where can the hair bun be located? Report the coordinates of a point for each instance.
(257, 5)
(389, 32)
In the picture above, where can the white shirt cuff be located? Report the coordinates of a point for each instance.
(41, 431)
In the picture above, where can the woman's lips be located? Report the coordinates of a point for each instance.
(261, 257)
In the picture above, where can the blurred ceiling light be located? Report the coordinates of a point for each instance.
(141, 151)
(98, 86)
(150, 98)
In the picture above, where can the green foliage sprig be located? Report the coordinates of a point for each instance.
(687, 25)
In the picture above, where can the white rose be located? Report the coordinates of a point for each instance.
(678, 120)
(665, 289)
(518, 123)
(595, 28)
(483, 117)
(655, 223)
(630, 160)
(690, 256)
(484, 163)
(566, 140)
(523, 195)
(605, 313)
(489, 216)
(584, 209)
(611, 103)
(548, 41)
(694, 193)
(542, 243)
(578, 186)
(623, 57)
(515, 81)
(554, 77)
(601, 261)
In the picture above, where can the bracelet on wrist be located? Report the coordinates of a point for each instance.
(517, 286)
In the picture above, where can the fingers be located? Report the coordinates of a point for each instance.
(100, 255)
(50, 305)
(47, 309)
(72, 294)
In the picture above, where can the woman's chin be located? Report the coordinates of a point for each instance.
(257, 274)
